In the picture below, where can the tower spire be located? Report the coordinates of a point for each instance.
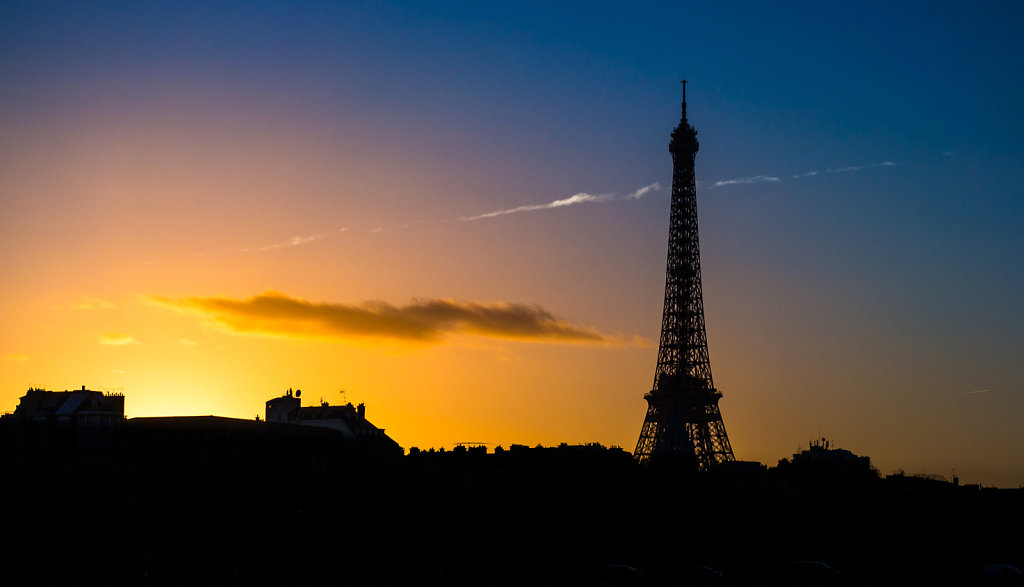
(683, 419)
(684, 98)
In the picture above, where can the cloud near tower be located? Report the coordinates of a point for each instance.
(578, 198)
(425, 321)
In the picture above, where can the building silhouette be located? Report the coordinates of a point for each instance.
(206, 500)
(683, 420)
(347, 419)
(84, 422)
(79, 408)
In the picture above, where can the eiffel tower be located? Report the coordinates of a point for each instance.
(683, 420)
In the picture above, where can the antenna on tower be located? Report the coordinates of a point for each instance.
(684, 98)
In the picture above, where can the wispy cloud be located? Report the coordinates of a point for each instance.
(859, 167)
(295, 241)
(116, 339)
(975, 392)
(187, 342)
(647, 189)
(16, 357)
(422, 321)
(846, 169)
(573, 200)
(580, 198)
(744, 181)
(774, 179)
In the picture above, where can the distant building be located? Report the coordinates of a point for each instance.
(823, 459)
(81, 408)
(348, 419)
(62, 424)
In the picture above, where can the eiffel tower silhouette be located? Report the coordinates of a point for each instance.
(683, 419)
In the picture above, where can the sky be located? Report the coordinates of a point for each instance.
(457, 214)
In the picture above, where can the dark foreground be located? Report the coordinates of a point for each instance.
(229, 507)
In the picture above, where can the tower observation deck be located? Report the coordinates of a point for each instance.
(683, 420)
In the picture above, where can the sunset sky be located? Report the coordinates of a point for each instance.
(457, 213)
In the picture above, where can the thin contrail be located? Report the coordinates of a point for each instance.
(744, 181)
(578, 198)
(775, 179)
(295, 241)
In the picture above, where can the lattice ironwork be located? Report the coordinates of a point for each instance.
(682, 408)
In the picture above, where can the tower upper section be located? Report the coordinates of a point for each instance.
(684, 137)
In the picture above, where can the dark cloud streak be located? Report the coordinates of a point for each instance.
(422, 321)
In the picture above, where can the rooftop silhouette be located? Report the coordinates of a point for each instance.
(208, 500)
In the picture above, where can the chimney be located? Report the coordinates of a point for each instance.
(361, 410)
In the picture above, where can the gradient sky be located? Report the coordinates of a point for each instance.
(205, 204)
